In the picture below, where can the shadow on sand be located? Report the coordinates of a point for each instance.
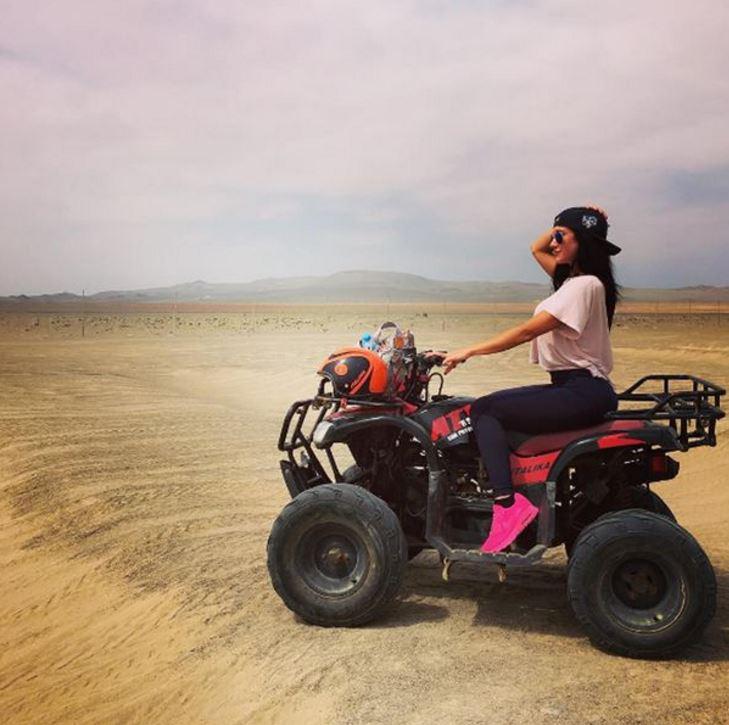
(533, 599)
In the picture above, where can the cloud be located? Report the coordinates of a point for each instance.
(441, 136)
(704, 187)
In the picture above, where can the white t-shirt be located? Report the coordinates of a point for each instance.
(583, 338)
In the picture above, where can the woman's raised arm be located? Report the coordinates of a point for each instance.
(540, 252)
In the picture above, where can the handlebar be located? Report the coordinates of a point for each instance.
(432, 358)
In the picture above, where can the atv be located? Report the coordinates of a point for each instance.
(639, 583)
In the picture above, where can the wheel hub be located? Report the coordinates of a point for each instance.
(639, 584)
(332, 559)
(336, 557)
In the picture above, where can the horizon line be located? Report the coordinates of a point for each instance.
(334, 274)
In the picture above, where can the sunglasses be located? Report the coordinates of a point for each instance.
(558, 237)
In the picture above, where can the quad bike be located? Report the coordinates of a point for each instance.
(638, 582)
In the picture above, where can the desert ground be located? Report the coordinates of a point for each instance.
(139, 480)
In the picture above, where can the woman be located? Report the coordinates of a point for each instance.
(569, 336)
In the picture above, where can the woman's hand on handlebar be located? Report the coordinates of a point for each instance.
(434, 357)
(455, 358)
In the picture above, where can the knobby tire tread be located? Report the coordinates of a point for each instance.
(374, 512)
(616, 525)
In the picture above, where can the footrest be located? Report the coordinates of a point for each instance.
(505, 558)
(500, 557)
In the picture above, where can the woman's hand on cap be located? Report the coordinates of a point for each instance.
(597, 209)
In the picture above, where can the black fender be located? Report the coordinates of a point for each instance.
(652, 435)
(337, 431)
(656, 434)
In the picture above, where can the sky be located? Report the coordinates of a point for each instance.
(151, 143)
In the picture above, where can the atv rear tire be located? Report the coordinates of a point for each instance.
(644, 498)
(640, 584)
(337, 555)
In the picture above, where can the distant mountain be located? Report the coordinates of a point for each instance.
(359, 286)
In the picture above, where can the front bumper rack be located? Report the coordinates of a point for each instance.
(294, 437)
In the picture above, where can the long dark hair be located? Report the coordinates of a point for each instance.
(592, 259)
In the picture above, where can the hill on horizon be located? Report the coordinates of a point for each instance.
(359, 286)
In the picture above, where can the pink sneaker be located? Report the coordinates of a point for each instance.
(508, 523)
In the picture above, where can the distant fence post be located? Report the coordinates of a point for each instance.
(174, 315)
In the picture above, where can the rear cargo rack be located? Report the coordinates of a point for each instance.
(691, 406)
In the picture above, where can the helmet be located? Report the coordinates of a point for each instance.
(354, 371)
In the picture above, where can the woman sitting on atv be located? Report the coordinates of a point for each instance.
(569, 335)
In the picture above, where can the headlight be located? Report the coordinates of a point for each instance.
(320, 433)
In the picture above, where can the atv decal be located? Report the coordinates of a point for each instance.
(349, 411)
(453, 425)
(360, 380)
(618, 440)
(531, 469)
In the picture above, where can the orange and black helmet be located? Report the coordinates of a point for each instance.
(355, 372)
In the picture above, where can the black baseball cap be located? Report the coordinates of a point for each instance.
(587, 221)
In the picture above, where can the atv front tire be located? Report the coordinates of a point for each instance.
(640, 584)
(337, 555)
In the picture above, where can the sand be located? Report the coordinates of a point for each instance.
(139, 480)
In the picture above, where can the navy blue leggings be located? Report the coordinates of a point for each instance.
(574, 399)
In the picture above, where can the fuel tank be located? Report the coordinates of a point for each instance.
(447, 421)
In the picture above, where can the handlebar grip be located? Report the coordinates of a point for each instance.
(435, 358)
